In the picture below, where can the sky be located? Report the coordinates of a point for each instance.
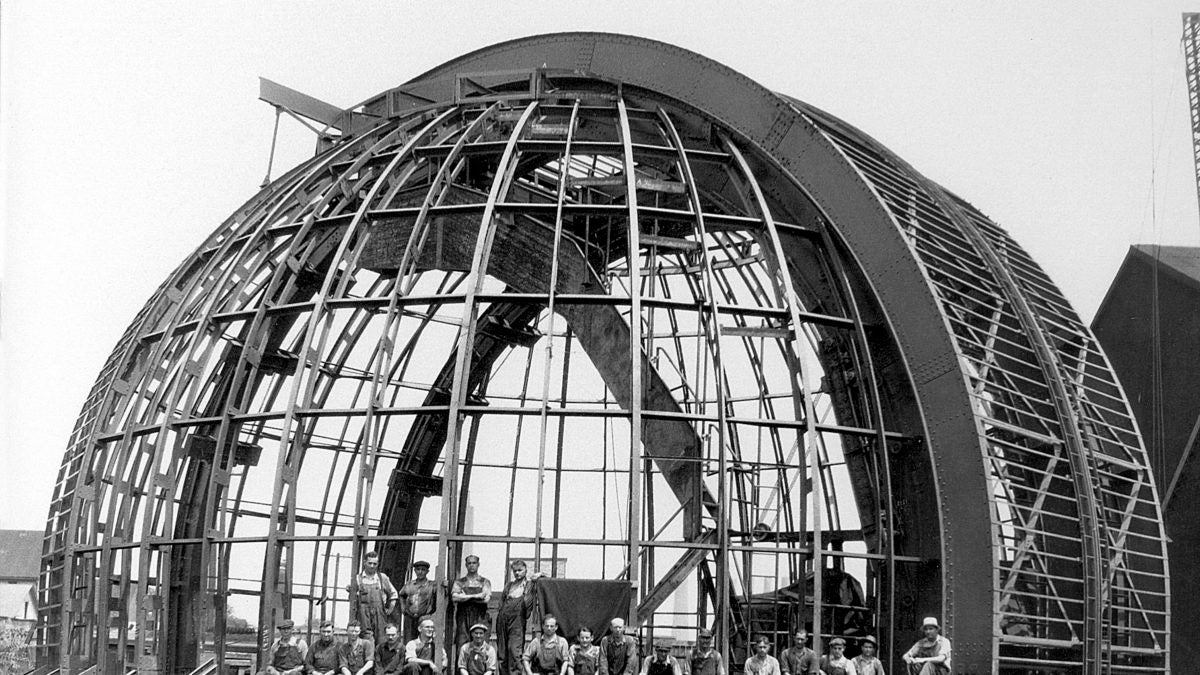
(129, 131)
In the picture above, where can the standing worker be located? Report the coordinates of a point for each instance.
(470, 594)
(516, 604)
(372, 596)
(418, 598)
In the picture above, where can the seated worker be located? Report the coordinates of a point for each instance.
(286, 656)
(583, 655)
(618, 651)
(836, 663)
(705, 659)
(324, 655)
(389, 654)
(931, 654)
(358, 651)
(421, 656)
(661, 662)
(477, 657)
(761, 662)
(799, 659)
(547, 654)
(867, 663)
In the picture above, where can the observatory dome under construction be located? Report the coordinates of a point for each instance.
(603, 305)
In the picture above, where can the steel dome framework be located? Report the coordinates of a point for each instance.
(606, 305)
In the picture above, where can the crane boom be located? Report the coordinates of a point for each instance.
(1191, 51)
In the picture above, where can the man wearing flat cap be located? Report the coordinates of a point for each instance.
(418, 598)
(287, 653)
(477, 657)
(867, 663)
(661, 662)
(705, 659)
(931, 654)
(835, 662)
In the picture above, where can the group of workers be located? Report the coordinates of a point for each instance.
(548, 653)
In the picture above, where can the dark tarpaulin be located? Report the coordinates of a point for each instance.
(583, 602)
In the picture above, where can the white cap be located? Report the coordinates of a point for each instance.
(930, 621)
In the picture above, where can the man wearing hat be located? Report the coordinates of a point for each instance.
(477, 657)
(799, 659)
(418, 598)
(661, 662)
(867, 663)
(705, 659)
(931, 654)
(548, 653)
(836, 663)
(287, 653)
(470, 594)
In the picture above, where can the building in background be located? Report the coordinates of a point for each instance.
(1149, 325)
(20, 560)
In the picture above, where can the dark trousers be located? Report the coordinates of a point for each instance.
(411, 668)
(927, 669)
(467, 614)
(510, 636)
(409, 629)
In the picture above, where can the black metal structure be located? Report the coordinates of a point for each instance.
(595, 300)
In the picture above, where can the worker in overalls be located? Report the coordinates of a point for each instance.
(287, 654)
(477, 657)
(661, 662)
(547, 653)
(470, 595)
(705, 659)
(516, 604)
(372, 596)
(584, 656)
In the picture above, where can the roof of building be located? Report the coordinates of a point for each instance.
(20, 554)
(18, 601)
(1183, 259)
